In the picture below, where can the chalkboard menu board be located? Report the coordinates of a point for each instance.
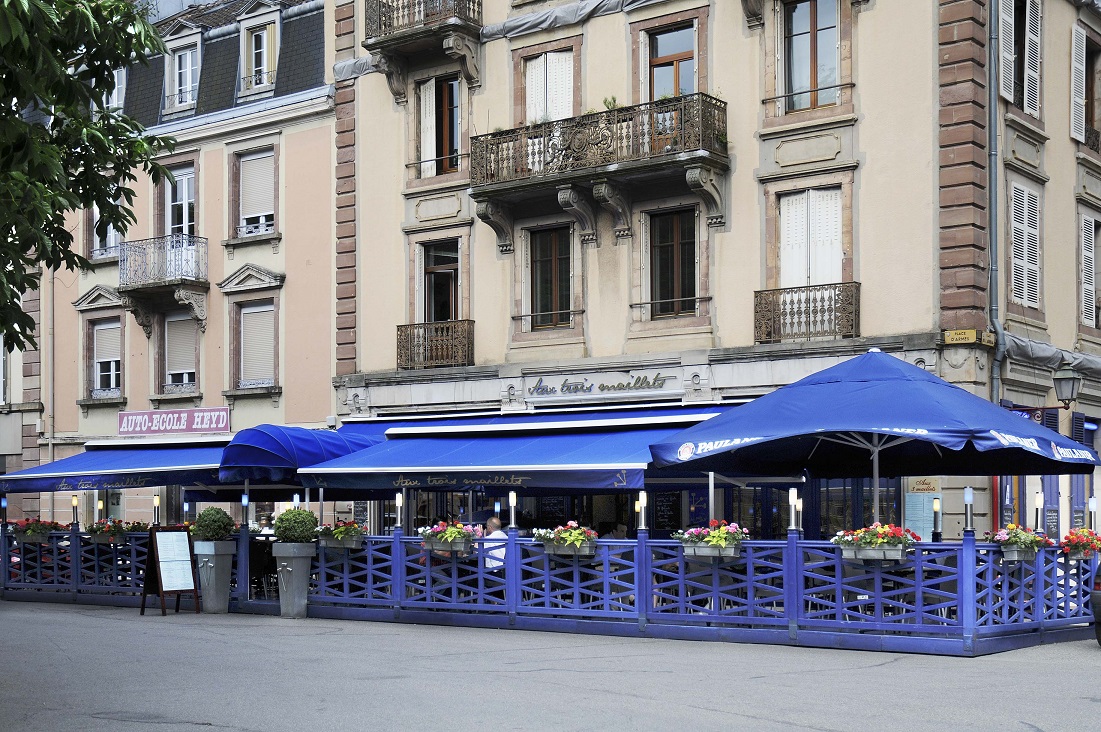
(552, 510)
(1078, 519)
(667, 511)
(1051, 523)
(360, 511)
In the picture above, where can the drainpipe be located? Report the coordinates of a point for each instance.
(53, 382)
(993, 220)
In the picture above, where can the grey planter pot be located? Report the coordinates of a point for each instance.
(1017, 554)
(895, 553)
(292, 562)
(448, 546)
(23, 538)
(215, 562)
(1076, 556)
(707, 552)
(848, 552)
(104, 539)
(586, 550)
(331, 542)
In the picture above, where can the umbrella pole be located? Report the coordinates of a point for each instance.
(875, 479)
(321, 504)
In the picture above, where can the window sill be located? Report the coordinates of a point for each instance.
(272, 237)
(102, 402)
(94, 262)
(1022, 120)
(460, 178)
(182, 110)
(803, 118)
(785, 126)
(257, 92)
(158, 399)
(274, 392)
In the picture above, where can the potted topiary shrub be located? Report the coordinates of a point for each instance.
(214, 552)
(294, 549)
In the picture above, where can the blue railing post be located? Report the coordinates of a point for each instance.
(966, 584)
(793, 580)
(74, 557)
(243, 579)
(643, 587)
(397, 572)
(512, 575)
(5, 561)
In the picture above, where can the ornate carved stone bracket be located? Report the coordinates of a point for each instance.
(196, 303)
(754, 13)
(574, 202)
(142, 314)
(460, 48)
(499, 218)
(613, 198)
(710, 188)
(394, 69)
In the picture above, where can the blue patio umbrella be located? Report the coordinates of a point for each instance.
(873, 415)
(273, 453)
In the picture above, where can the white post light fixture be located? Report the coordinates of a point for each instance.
(968, 509)
(642, 510)
(399, 501)
(1092, 507)
(799, 513)
(1039, 505)
(297, 500)
(937, 533)
(793, 499)
(76, 502)
(512, 509)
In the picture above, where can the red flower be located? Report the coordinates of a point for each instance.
(714, 523)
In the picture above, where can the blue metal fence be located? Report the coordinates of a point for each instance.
(958, 598)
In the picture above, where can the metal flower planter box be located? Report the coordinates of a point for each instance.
(1076, 556)
(586, 550)
(438, 545)
(889, 553)
(105, 539)
(707, 552)
(331, 542)
(1018, 554)
(24, 538)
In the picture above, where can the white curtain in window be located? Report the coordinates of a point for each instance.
(427, 95)
(1089, 273)
(257, 185)
(548, 82)
(258, 344)
(1025, 246)
(793, 239)
(1078, 84)
(810, 238)
(180, 339)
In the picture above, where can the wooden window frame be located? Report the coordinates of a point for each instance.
(562, 240)
(640, 32)
(415, 283)
(677, 309)
(675, 59)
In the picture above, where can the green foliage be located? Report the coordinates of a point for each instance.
(571, 533)
(58, 60)
(296, 525)
(611, 102)
(213, 524)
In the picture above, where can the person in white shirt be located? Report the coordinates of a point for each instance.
(495, 550)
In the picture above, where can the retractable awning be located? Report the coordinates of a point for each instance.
(113, 467)
(594, 453)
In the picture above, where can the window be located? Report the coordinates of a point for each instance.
(180, 345)
(1024, 272)
(180, 202)
(810, 238)
(550, 278)
(259, 57)
(810, 60)
(1088, 279)
(117, 98)
(185, 77)
(257, 193)
(441, 281)
(548, 86)
(1019, 77)
(257, 347)
(439, 125)
(105, 244)
(106, 358)
(673, 263)
(672, 63)
(1084, 67)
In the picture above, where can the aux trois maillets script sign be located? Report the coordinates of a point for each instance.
(174, 421)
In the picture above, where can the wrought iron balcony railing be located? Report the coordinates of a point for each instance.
(161, 259)
(257, 79)
(386, 17)
(181, 98)
(1093, 139)
(802, 313)
(262, 227)
(667, 127)
(430, 345)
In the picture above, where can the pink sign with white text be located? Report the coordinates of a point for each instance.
(174, 421)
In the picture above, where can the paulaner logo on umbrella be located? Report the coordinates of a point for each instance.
(1069, 452)
(1029, 443)
(686, 451)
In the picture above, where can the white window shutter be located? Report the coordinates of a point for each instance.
(1032, 249)
(108, 342)
(257, 185)
(535, 88)
(1017, 244)
(258, 344)
(1078, 83)
(427, 95)
(1089, 277)
(1005, 51)
(559, 85)
(793, 239)
(179, 337)
(1033, 34)
(825, 236)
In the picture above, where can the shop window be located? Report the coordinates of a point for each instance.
(673, 263)
(1025, 253)
(256, 193)
(1020, 54)
(106, 359)
(440, 125)
(257, 345)
(550, 278)
(441, 281)
(180, 354)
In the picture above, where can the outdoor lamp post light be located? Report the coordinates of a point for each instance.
(297, 500)
(937, 533)
(968, 508)
(244, 510)
(156, 509)
(1039, 504)
(1092, 507)
(642, 510)
(4, 509)
(1067, 384)
(398, 502)
(512, 509)
(76, 502)
(793, 497)
(799, 513)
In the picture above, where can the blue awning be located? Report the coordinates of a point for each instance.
(116, 467)
(273, 453)
(592, 452)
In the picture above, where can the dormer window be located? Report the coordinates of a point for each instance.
(259, 49)
(183, 64)
(186, 76)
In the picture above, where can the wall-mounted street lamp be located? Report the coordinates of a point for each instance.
(1067, 382)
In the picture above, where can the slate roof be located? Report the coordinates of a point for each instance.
(213, 15)
(301, 54)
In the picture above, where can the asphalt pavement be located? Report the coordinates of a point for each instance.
(83, 668)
